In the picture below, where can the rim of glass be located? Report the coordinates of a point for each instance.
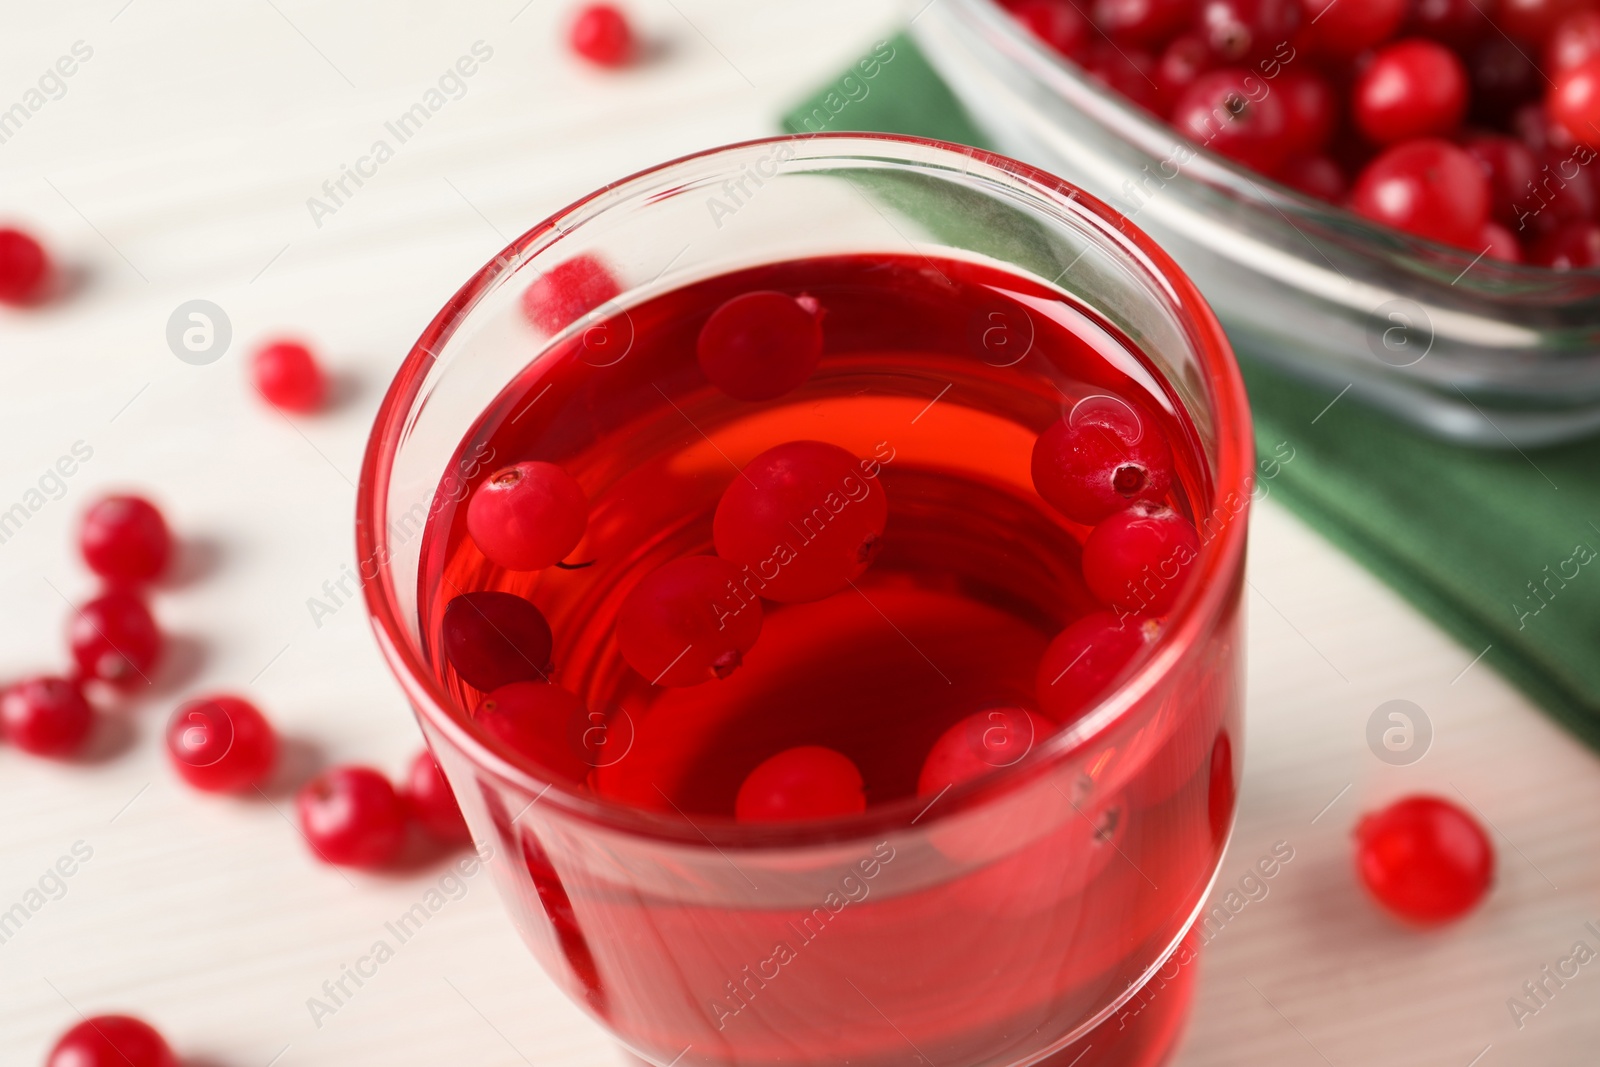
(1205, 601)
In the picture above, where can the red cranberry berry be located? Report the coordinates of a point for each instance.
(983, 741)
(1415, 88)
(689, 621)
(1058, 23)
(24, 268)
(1130, 72)
(1575, 247)
(1424, 859)
(1574, 101)
(46, 716)
(1312, 109)
(803, 518)
(1243, 30)
(115, 639)
(540, 722)
(1502, 79)
(1233, 112)
(1427, 187)
(1499, 243)
(1457, 23)
(1564, 193)
(1183, 61)
(112, 1041)
(124, 539)
(601, 34)
(288, 377)
(1138, 560)
(432, 803)
(1142, 22)
(1575, 41)
(527, 517)
(1099, 458)
(1084, 658)
(494, 638)
(1511, 169)
(760, 345)
(1342, 31)
(352, 817)
(1316, 176)
(221, 744)
(567, 292)
(1534, 20)
(809, 782)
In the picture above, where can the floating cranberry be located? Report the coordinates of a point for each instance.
(567, 292)
(1235, 113)
(759, 346)
(1424, 859)
(1575, 247)
(46, 716)
(601, 34)
(1138, 560)
(1316, 176)
(1242, 30)
(352, 817)
(809, 782)
(287, 376)
(1410, 89)
(112, 1041)
(1341, 31)
(1429, 188)
(115, 639)
(1575, 41)
(528, 516)
(982, 742)
(1574, 101)
(1099, 458)
(689, 621)
(494, 638)
(432, 803)
(1511, 169)
(803, 518)
(221, 744)
(1084, 658)
(24, 268)
(1311, 108)
(1057, 23)
(1142, 22)
(124, 539)
(535, 720)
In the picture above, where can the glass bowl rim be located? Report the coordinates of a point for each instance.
(1201, 607)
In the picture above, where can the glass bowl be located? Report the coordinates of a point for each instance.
(1014, 917)
(1471, 349)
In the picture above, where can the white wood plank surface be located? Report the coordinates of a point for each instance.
(177, 164)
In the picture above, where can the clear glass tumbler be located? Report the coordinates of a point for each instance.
(1010, 921)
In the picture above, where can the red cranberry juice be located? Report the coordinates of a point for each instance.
(938, 376)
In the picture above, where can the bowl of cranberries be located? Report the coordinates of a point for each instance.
(1396, 195)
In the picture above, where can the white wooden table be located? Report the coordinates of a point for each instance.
(176, 164)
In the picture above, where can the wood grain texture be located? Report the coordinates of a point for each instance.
(176, 165)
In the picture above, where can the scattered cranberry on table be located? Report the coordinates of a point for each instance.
(24, 268)
(125, 540)
(112, 1041)
(115, 639)
(221, 744)
(1424, 859)
(352, 817)
(1364, 104)
(808, 782)
(432, 803)
(288, 377)
(601, 34)
(46, 716)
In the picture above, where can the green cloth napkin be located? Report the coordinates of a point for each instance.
(1499, 548)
